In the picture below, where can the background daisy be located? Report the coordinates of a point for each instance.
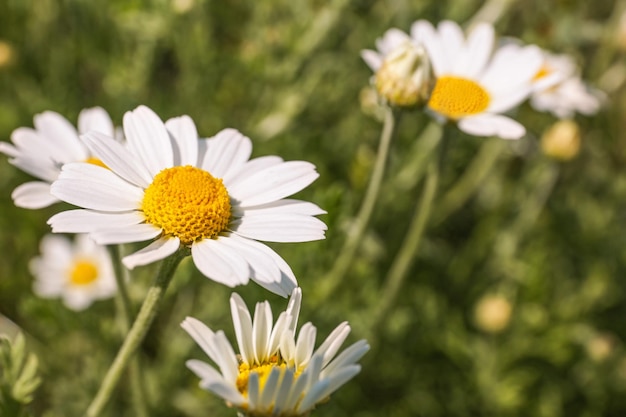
(475, 84)
(275, 374)
(204, 194)
(42, 151)
(558, 89)
(78, 272)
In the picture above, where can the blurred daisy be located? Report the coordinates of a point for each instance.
(42, 151)
(558, 89)
(274, 374)
(474, 83)
(79, 272)
(385, 45)
(205, 194)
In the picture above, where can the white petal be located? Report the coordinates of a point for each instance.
(305, 344)
(452, 39)
(117, 158)
(227, 360)
(313, 396)
(373, 59)
(424, 33)
(293, 308)
(282, 393)
(157, 250)
(93, 187)
(273, 183)
(473, 58)
(253, 391)
(261, 330)
(85, 221)
(95, 118)
(510, 67)
(287, 206)
(333, 342)
(390, 40)
(214, 382)
(202, 335)
(242, 323)
(492, 125)
(219, 263)
(33, 195)
(128, 234)
(62, 134)
(346, 358)
(250, 168)
(185, 138)
(286, 282)
(148, 139)
(45, 169)
(506, 101)
(270, 388)
(279, 227)
(337, 379)
(226, 152)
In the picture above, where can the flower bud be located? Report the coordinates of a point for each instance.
(493, 313)
(562, 140)
(405, 78)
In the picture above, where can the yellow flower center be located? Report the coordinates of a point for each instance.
(84, 272)
(456, 97)
(188, 203)
(543, 72)
(96, 161)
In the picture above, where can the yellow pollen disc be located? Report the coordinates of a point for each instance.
(187, 202)
(83, 273)
(263, 370)
(96, 161)
(456, 97)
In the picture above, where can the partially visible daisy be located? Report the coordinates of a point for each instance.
(474, 83)
(385, 45)
(42, 151)
(169, 186)
(275, 373)
(558, 89)
(79, 272)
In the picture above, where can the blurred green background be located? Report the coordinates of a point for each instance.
(515, 304)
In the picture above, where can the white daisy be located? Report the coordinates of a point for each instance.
(43, 150)
(200, 193)
(79, 272)
(475, 84)
(275, 373)
(558, 89)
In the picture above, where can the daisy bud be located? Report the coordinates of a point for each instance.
(493, 313)
(562, 140)
(405, 78)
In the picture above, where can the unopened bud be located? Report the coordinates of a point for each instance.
(493, 313)
(6, 54)
(562, 140)
(405, 78)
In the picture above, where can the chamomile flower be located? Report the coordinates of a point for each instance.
(474, 83)
(79, 272)
(42, 151)
(275, 373)
(169, 186)
(558, 89)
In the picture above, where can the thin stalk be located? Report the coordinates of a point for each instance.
(357, 230)
(402, 263)
(470, 181)
(124, 308)
(137, 333)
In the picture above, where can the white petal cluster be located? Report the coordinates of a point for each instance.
(111, 199)
(275, 373)
(41, 151)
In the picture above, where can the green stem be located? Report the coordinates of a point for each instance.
(124, 308)
(470, 181)
(357, 230)
(402, 263)
(137, 332)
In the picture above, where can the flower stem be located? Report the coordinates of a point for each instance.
(124, 308)
(403, 260)
(355, 233)
(137, 332)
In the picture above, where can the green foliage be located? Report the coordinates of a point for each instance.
(18, 376)
(548, 237)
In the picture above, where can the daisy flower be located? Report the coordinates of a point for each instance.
(79, 272)
(204, 194)
(474, 83)
(42, 151)
(275, 373)
(558, 89)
